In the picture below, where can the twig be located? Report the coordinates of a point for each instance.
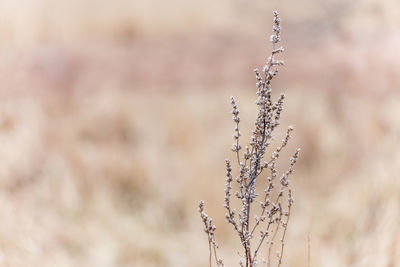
(250, 169)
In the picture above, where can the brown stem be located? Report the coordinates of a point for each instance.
(283, 237)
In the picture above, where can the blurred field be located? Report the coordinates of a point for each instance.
(115, 122)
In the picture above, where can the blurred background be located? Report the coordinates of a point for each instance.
(115, 121)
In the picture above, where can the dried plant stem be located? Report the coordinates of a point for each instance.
(209, 247)
(283, 239)
(274, 215)
(309, 251)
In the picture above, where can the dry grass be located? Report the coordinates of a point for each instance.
(81, 184)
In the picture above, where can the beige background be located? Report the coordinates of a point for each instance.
(115, 121)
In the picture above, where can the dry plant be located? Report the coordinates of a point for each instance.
(272, 213)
